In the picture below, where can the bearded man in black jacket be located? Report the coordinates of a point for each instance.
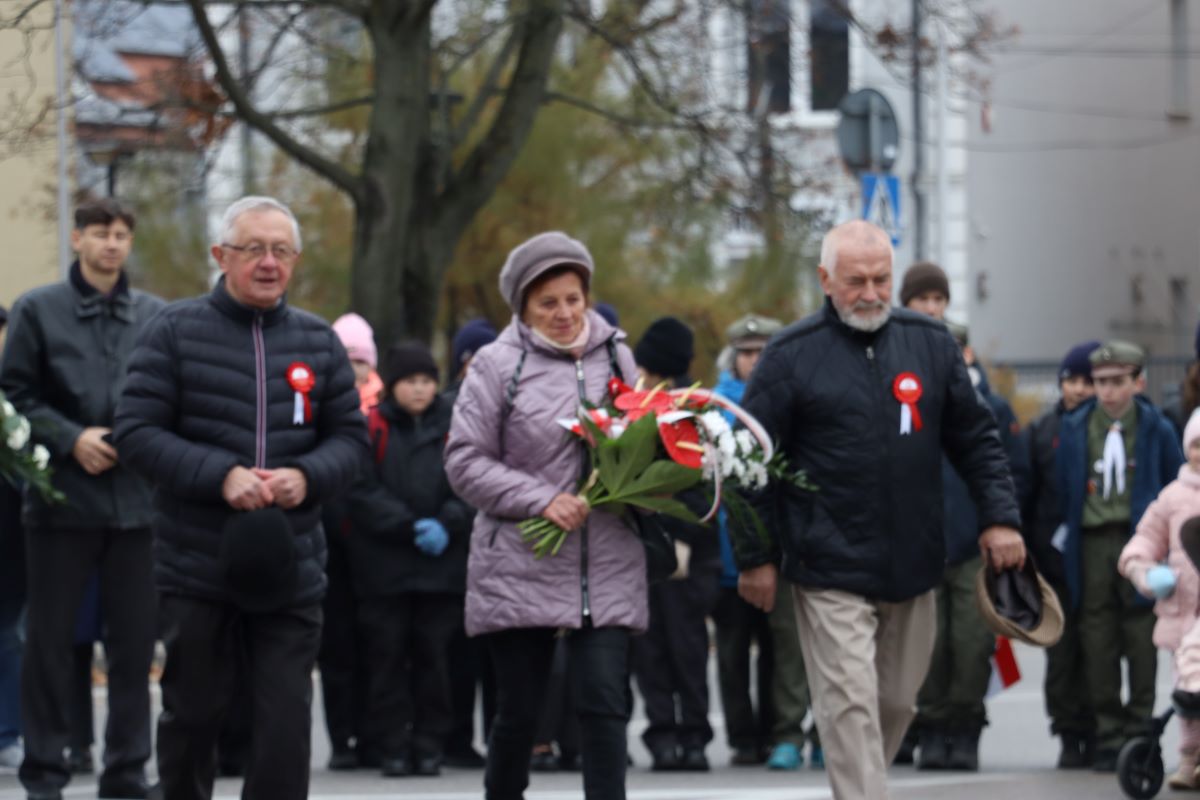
(235, 403)
(865, 398)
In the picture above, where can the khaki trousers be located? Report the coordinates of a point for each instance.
(865, 661)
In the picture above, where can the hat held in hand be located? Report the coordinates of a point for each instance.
(1019, 604)
(258, 560)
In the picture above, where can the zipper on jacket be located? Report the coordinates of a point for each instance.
(583, 533)
(885, 463)
(260, 383)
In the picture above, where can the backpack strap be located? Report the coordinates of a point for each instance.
(510, 396)
(377, 429)
(613, 365)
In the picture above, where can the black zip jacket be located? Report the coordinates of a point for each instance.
(64, 367)
(208, 391)
(874, 524)
(407, 485)
(1041, 506)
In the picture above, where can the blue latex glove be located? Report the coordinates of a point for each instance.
(431, 538)
(1161, 581)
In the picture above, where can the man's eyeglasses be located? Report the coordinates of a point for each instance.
(256, 251)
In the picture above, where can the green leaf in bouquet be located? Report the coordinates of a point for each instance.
(661, 477)
(634, 450)
(664, 505)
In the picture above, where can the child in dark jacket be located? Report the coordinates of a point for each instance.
(408, 555)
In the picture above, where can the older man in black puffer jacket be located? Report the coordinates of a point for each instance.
(236, 402)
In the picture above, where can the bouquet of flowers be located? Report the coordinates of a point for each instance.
(647, 446)
(19, 461)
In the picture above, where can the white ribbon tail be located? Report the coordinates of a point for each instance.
(710, 455)
(905, 419)
(740, 414)
(298, 410)
(1114, 463)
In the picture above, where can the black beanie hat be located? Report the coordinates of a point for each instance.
(409, 358)
(665, 348)
(921, 277)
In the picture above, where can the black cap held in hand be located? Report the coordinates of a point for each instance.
(258, 559)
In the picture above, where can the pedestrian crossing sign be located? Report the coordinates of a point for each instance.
(881, 202)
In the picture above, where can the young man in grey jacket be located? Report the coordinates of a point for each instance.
(63, 368)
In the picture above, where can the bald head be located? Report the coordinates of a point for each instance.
(856, 273)
(856, 234)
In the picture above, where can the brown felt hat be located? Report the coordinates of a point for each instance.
(1019, 604)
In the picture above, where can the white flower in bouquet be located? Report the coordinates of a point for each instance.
(757, 476)
(41, 456)
(9, 409)
(714, 423)
(19, 436)
(745, 442)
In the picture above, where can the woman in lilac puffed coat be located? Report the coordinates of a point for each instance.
(507, 457)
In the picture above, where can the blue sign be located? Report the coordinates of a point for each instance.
(881, 202)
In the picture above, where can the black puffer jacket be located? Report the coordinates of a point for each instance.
(1041, 507)
(64, 367)
(208, 391)
(874, 525)
(408, 484)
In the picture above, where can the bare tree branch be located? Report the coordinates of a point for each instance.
(252, 116)
(489, 83)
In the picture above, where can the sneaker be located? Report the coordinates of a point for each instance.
(816, 757)
(785, 756)
(12, 756)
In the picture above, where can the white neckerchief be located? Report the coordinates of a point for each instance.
(575, 347)
(1113, 465)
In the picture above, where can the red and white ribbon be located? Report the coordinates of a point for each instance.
(300, 377)
(907, 389)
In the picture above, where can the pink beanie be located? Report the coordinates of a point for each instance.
(358, 338)
(1191, 431)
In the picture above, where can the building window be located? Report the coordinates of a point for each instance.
(829, 53)
(768, 24)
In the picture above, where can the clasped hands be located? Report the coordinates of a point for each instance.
(251, 489)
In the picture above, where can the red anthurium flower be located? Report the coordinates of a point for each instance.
(618, 387)
(682, 441)
(602, 419)
(638, 404)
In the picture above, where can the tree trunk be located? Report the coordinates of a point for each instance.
(398, 133)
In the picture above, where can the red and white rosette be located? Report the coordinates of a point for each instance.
(907, 388)
(300, 377)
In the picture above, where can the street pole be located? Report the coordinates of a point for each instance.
(1180, 110)
(247, 140)
(918, 126)
(60, 98)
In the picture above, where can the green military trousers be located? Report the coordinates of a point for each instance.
(951, 699)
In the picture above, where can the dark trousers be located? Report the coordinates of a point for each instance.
(559, 722)
(60, 562)
(599, 675)
(1115, 625)
(951, 699)
(1066, 687)
(199, 683)
(470, 667)
(408, 643)
(740, 626)
(83, 733)
(341, 657)
(671, 662)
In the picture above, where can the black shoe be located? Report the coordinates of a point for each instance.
(428, 766)
(693, 760)
(1073, 755)
(396, 767)
(1105, 760)
(963, 752)
(79, 761)
(932, 750)
(570, 762)
(343, 759)
(543, 761)
(904, 755)
(746, 757)
(665, 759)
(126, 787)
(464, 759)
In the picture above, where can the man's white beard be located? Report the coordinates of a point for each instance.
(867, 319)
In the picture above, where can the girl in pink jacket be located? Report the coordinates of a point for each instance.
(1155, 561)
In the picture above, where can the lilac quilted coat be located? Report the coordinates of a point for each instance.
(601, 570)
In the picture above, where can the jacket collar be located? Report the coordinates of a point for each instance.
(405, 421)
(224, 302)
(90, 302)
(518, 334)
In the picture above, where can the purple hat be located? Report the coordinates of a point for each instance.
(537, 256)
